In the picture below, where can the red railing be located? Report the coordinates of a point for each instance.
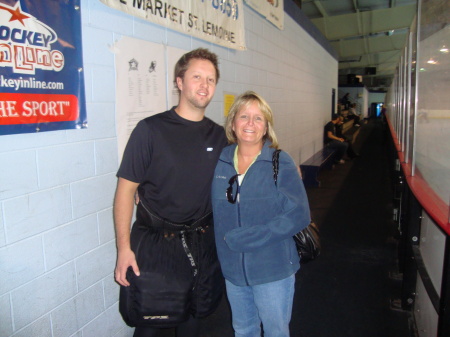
(435, 207)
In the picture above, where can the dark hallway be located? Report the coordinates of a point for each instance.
(347, 292)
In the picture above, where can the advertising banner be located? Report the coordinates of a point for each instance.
(217, 21)
(41, 69)
(272, 10)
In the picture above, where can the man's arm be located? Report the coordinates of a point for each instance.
(331, 136)
(123, 213)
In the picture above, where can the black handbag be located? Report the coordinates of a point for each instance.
(307, 240)
(308, 243)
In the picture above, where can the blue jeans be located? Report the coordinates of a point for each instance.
(269, 303)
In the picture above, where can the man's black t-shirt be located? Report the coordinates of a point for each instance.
(328, 127)
(173, 160)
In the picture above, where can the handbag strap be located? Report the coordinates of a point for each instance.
(275, 164)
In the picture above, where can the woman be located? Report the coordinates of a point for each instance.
(255, 220)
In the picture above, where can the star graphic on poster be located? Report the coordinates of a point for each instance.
(16, 13)
(133, 64)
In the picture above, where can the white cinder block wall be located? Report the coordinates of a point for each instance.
(57, 249)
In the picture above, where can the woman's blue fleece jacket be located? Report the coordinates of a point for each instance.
(254, 235)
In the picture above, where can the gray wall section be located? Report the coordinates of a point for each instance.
(297, 15)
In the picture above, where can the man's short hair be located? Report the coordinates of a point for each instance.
(334, 117)
(200, 54)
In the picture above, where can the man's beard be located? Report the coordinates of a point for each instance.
(199, 104)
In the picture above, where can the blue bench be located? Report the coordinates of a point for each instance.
(310, 168)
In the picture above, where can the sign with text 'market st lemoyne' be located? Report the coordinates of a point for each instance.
(41, 71)
(217, 21)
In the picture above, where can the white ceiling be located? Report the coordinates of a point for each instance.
(365, 34)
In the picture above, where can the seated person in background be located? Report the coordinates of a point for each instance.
(345, 101)
(347, 138)
(334, 142)
(353, 115)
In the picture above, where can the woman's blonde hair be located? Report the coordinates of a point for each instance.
(243, 101)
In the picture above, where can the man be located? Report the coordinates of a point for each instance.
(352, 114)
(331, 140)
(170, 255)
(383, 113)
(339, 127)
(345, 101)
